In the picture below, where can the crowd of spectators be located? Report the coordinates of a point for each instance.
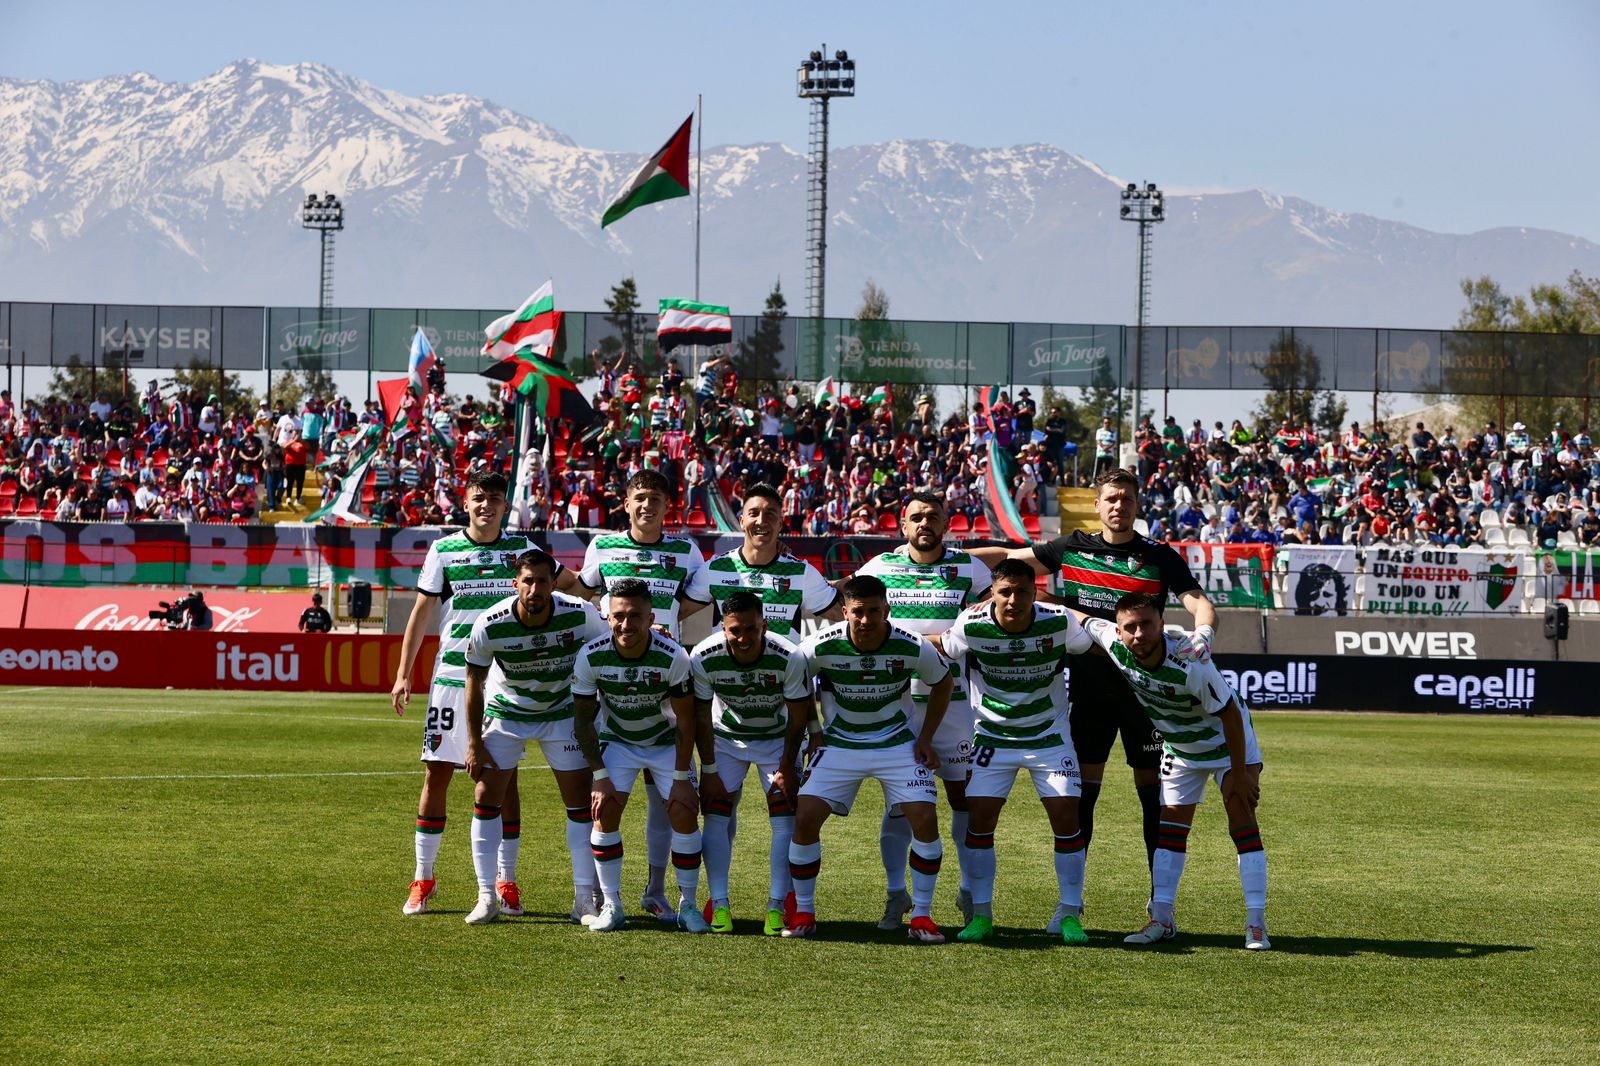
(843, 465)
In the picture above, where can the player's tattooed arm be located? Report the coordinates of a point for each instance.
(585, 709)
(478, 757)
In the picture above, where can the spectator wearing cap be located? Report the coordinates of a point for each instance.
(1518, 447)
(1025, 412)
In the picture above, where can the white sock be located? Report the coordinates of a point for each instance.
(579, 822)
(657, 843)
(804, 862)
(686, 848)
(430, 834)
(894, 842)
(926, 857)
(718, 857)
(1252, 873)
(510, 846)
(485, 845)
(1166, 870)
(606, 849)
(778, 862)
(958, 835)
(1071, 858)
(979, 866)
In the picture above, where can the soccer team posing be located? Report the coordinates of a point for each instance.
(931, 663)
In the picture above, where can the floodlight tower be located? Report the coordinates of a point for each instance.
(820, 80)
(326, 216)
(1143, 206)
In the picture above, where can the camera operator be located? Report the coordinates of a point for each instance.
(195, 613)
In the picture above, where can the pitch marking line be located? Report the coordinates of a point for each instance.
(230, 777)
(379, 719)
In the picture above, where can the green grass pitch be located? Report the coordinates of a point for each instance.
(197, 877)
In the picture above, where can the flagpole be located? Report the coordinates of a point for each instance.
(699, 134)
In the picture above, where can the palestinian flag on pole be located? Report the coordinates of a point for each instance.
(686, 322)
(534, 323)
(552, 390)
(881, 394)
(998, 506)
(392, 394)
(664, 176)
(723, 516)
(344, 508)
(827, 392)
(986, 396)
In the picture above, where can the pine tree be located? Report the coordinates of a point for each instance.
(756, 357)
(875, 332)
(1295, 392)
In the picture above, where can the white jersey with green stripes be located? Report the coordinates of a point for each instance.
(786, 586)
(633, 691)
(1182, 699)
(866, 696)
(749, 701)
(1019, 691)
(530, 667)
(927, 597)
(667, 565)
(469, 578)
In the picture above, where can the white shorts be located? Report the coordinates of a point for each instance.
(952, 741)
(834, 775)
(444, 732)
(1184, 782)
(508, 740)
(1054, 771)
(735, 757)
(624, 761)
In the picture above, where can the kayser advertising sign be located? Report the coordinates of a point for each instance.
(279, 662)
(1326, 682)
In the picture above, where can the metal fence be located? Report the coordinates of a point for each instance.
(1063, 355)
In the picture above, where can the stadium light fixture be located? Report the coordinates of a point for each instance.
(820, 80)
(1146, 206)
(326, 216)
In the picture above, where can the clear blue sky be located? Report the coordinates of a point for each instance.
(1455, 116)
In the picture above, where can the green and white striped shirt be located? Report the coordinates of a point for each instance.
(666, 566)
(469, 578)
(1182, 699)
(786, 586)
(1019, 691)
(927, 597)
(866, 696)
(530, 676)
(633, 692)
(749, 701)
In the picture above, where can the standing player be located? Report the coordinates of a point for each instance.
(1095, 570)
(532, 638)
(1206, 733)
(635, 675)
(751, 685)
(1014, 649)
(929, 583)
(864, 667)
(786, 585)
(463, 575)
(666, 565)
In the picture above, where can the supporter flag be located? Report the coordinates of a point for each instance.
(548, 385)
(998, 506)
(392, 394)
(881, 394)
(723, 516)
(827, 392)
(344, 508)
(986, 396)
(687, 322)
(422, 360)
(664, 176)
(534, 323)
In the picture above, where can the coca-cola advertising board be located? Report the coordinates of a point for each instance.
(127, 610)
(279, 662)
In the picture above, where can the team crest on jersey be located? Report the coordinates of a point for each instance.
(781, 584)
(433, 741)
(652, 677)
(1045, 644)
(1168, 691)
(630, 673)
(949, 572)
(895, 665)
(568, 639)
(1019, 645)
(486, 557)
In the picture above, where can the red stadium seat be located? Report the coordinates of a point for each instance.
(113, 456)
(27, 506)
(1030, 525)
(959, 523)
(9, 488)
(7, 505)
(674, 516)
(980, 526)
(888, 523)
(162, 457)
(48, 514)
(696, 519)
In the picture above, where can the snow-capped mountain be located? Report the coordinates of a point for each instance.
(129, 189)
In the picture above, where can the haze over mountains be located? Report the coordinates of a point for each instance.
(128, 189)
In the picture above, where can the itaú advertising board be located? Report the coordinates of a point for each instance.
(276, 662)
(123, 609)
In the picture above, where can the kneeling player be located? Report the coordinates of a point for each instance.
(864, 666)
(1206, 733)
(752, 686)
(533, 637)
(634, 674)
(1014, 650)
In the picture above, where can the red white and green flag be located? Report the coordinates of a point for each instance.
(998, 505)
(392, 394)
(827, 392)
(550, 386)
(687, 322)
(345, 506)
(881, 394)
(532, 324)
(664, 176)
